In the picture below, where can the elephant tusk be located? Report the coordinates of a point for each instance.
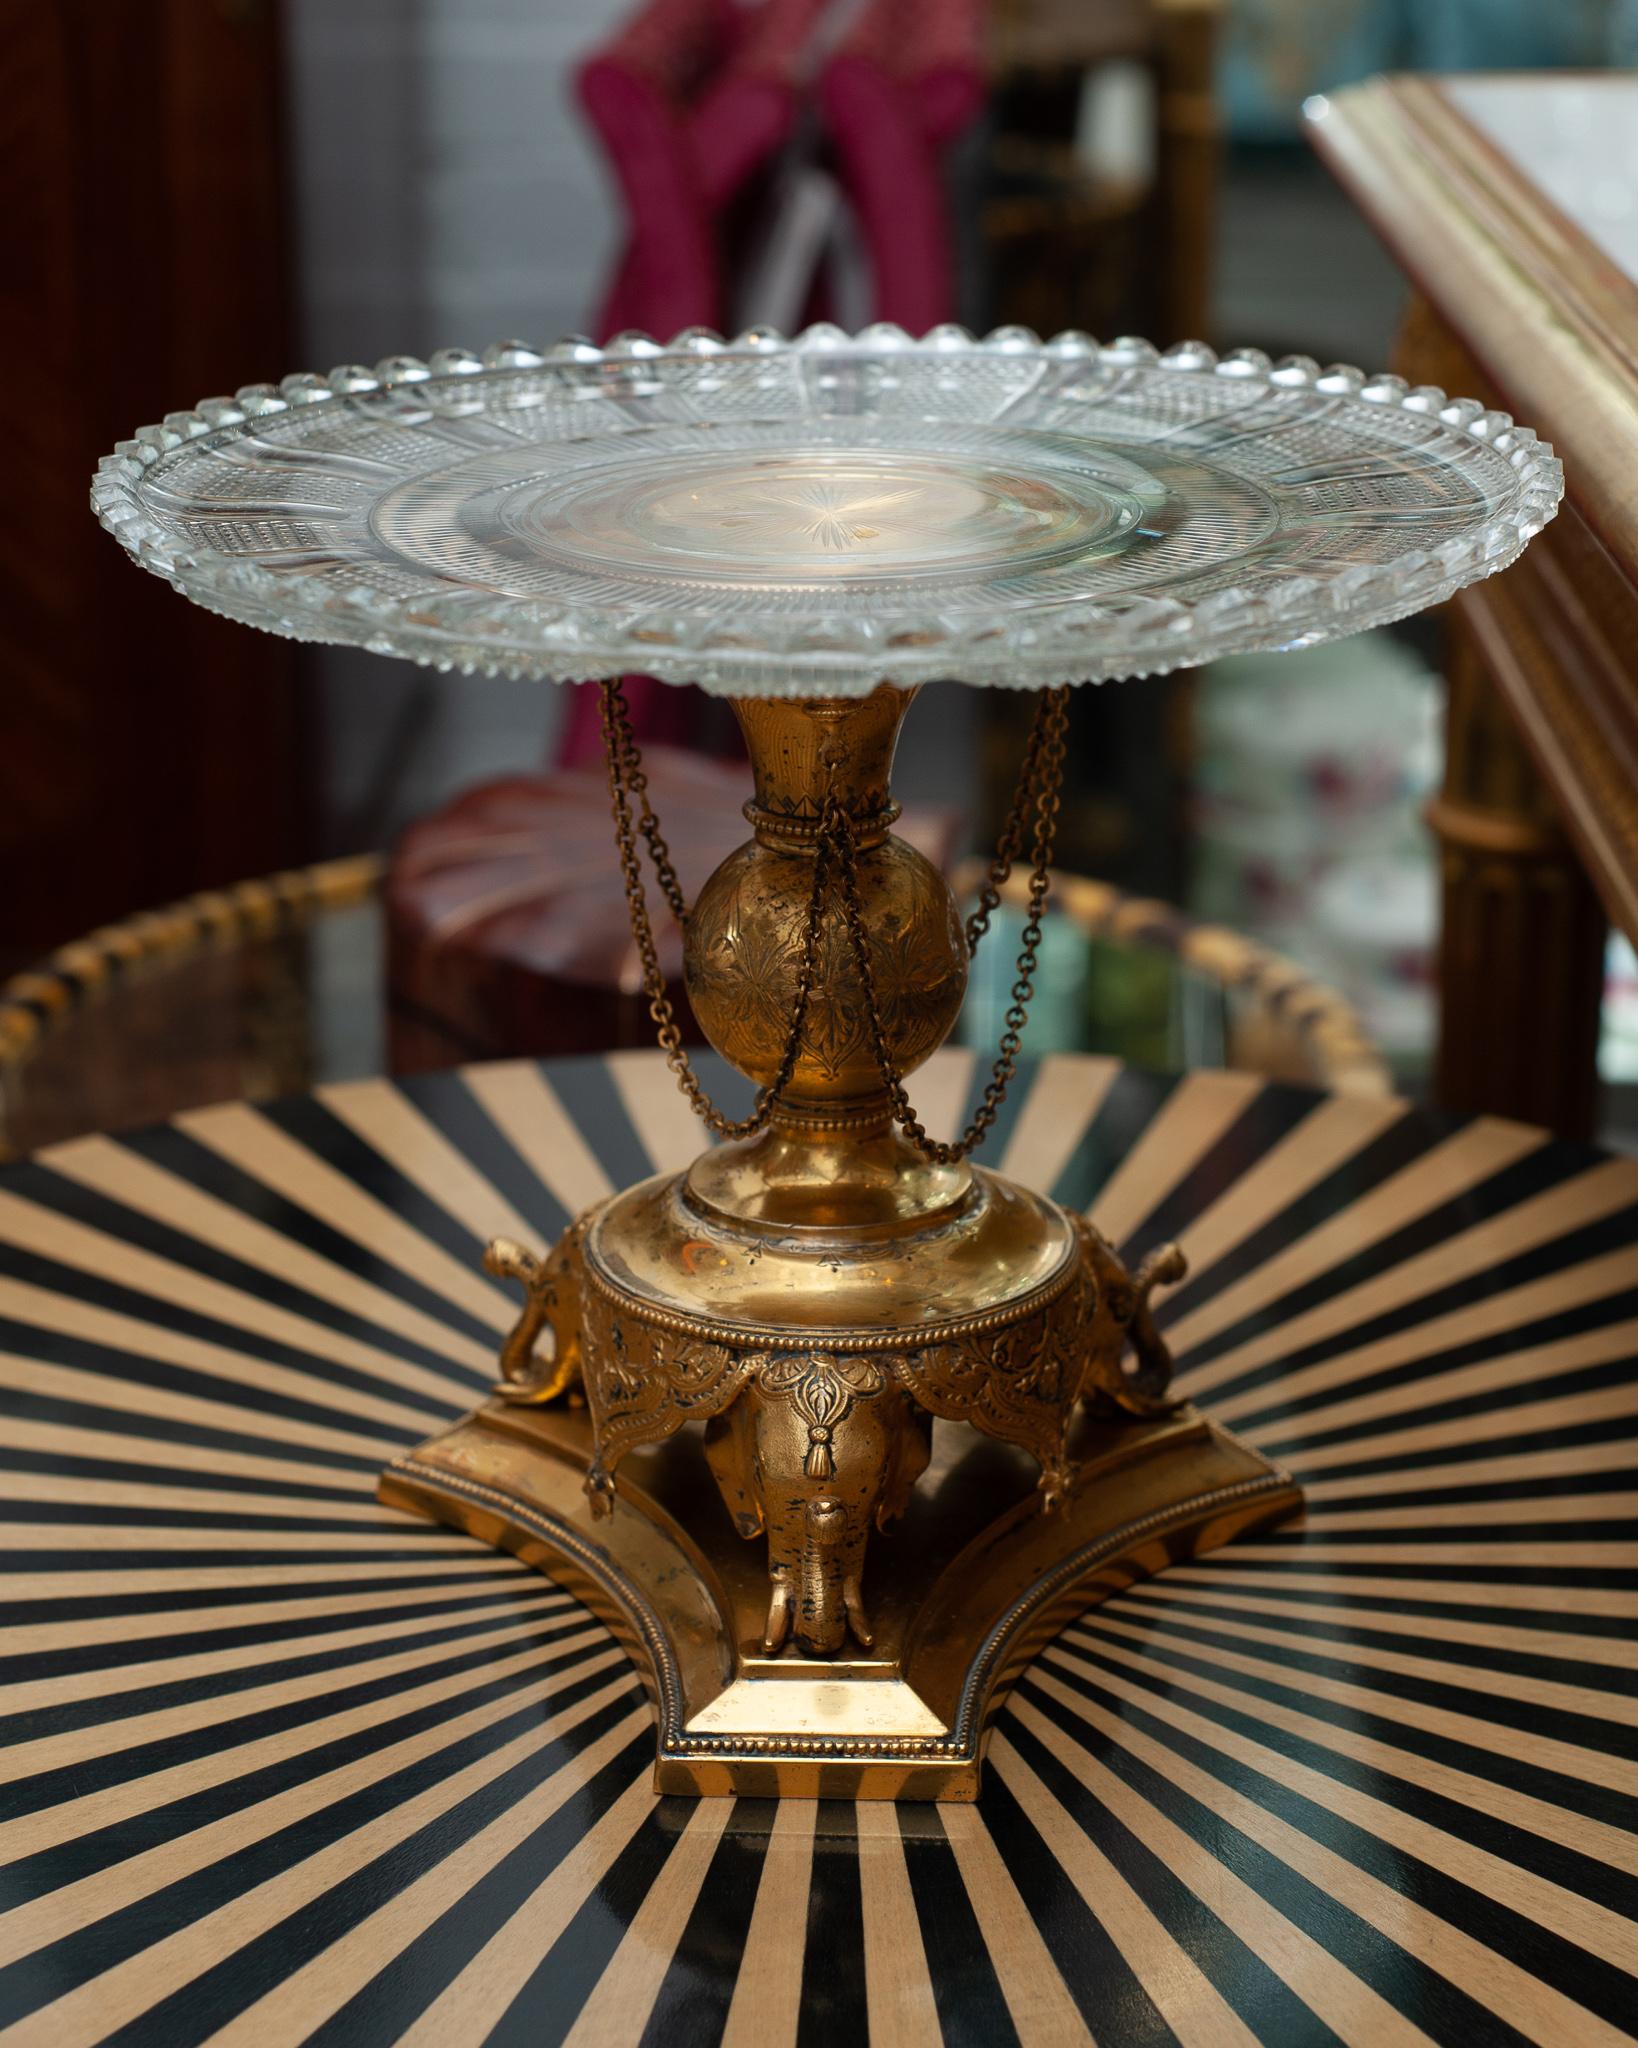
(779, 1613)
(858, 1620)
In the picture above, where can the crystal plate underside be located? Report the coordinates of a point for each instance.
(820, 515)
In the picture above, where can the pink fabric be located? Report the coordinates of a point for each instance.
(633, 92)
(891, 175)
(675, 45)
(944, 44)
(690, 99)
(744, 115)
(934, 49)
(907, 80)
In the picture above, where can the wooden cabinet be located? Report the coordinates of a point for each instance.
(146, 748)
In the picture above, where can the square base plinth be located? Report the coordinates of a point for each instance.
(962, 1591)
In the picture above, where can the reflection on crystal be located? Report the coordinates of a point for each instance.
(796, 509)
(826, 512)
(813, 515)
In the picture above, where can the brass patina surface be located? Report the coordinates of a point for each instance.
(816, 1292)
(966, 1588)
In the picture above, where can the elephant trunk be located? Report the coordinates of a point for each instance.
(821, 1606)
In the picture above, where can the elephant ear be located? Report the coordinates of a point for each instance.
(643, 1384)
(1018, 1385)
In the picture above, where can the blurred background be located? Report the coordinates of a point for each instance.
(209, 192)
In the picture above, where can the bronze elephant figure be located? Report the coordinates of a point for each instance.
(817, 1450)
(814, 1447)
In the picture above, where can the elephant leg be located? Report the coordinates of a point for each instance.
(730, 1451)
(909, 1454)
(824, 1623)
(816, 1593)
(857, 1619)
(781, 1597)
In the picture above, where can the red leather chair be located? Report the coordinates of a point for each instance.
(507, 929)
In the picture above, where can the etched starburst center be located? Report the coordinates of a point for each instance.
(814, 515)
(834, 513)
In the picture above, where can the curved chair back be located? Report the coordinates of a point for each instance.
(1280, 1020)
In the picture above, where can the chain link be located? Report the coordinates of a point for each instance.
(636, 782)
(1012, 835)
(621, 749)
(1046, 779)
(835, 850)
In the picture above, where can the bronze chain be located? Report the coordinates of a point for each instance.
(1045, 778)
(621, 748)
(636, 782)
(1039, 782)
(1048, 708)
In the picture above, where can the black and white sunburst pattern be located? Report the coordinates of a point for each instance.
(284, 1766)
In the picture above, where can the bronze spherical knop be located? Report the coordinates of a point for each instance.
(743, 967)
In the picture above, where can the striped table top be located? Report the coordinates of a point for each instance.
(284, 1766)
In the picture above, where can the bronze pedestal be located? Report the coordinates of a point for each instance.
(965, 1588)
(817, 1294)
(772, 518)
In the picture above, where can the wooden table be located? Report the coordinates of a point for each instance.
(147, 184)
(1508, 203)
(289, 1767)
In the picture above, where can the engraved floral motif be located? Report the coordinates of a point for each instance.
(744, 961)
(830, 513)
(642, 1383)
(822, 1386)
(1018, 1384)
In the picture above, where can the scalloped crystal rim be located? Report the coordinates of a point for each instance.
(841, 654)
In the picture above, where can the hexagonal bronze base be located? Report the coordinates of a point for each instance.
(962, 1597)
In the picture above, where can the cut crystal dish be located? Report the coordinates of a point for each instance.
(816, 516)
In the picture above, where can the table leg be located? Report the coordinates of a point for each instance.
(1521, 949)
